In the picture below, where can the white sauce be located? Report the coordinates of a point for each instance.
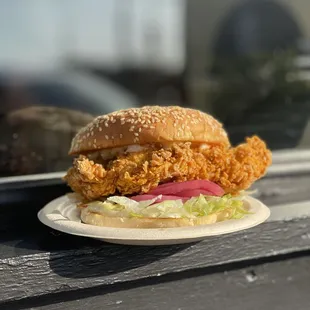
(112, 153)
(203, 147)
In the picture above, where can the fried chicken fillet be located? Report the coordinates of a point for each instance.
(170, 144)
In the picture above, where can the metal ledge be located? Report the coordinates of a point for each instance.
(288, 212)
(33, 177)
(284, 162)
(285, 156)
(289, 168)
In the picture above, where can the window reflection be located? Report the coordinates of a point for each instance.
(64, 62)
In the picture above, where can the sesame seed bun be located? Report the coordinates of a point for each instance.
(148, 125)
(89, 217)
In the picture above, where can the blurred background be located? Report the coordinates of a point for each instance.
(62, 62)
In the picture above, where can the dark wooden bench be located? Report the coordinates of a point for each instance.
(266, 267)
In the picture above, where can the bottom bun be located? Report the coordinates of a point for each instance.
(96, 219)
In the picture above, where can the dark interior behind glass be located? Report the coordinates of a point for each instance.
(64, 62)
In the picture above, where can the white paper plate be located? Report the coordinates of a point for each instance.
(62, 214)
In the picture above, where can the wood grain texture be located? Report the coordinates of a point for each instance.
(280, 285)
(103, 264)
(283, 189)
(35, 260)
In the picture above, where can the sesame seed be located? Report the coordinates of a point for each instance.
(148, 117)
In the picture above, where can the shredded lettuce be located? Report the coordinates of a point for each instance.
(118, 206)
(132, 214)
(164, 209)
(123, 201)
(206, 205)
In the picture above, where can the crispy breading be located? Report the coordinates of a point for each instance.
(233, 169)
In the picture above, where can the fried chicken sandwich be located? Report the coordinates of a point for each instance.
(162, 167)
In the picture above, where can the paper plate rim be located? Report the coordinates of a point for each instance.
(51, 216)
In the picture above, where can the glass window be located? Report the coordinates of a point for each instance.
(62, 62)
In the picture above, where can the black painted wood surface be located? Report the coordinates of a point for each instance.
(102, 264)
(280, 285)
(37, 261)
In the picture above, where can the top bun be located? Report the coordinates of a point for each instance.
(149, 124)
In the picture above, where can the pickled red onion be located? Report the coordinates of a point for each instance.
(194, 193)
(176, 188)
